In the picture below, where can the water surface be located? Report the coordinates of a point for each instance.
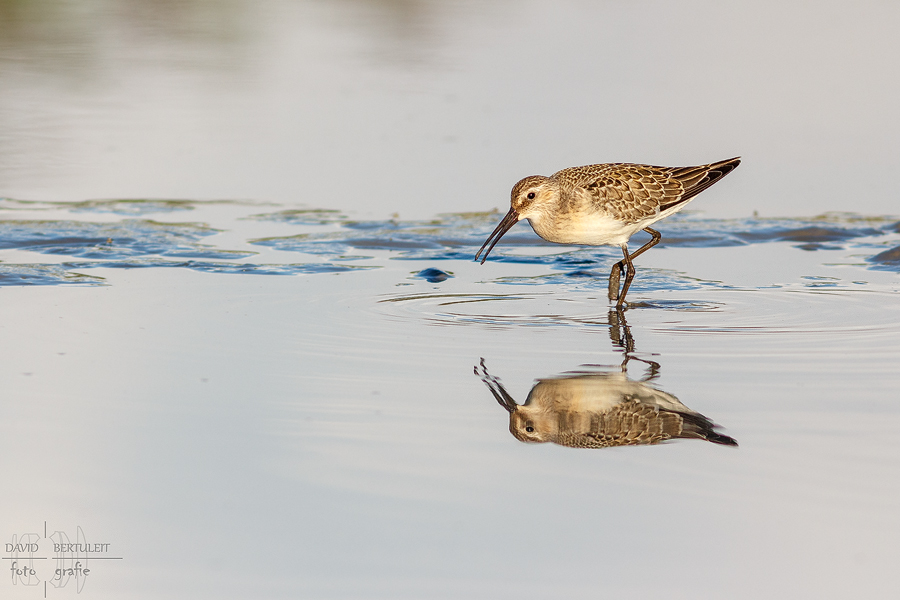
(312, 393)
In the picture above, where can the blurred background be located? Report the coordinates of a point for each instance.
(421, 107)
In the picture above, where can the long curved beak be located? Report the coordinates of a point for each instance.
(511, 218)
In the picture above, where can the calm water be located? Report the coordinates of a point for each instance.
(246, 345)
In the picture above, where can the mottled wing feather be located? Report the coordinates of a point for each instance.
(628, 424)
(631, 193)
(633, 423)
(697, 179)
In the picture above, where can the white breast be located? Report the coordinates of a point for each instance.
(592, 229)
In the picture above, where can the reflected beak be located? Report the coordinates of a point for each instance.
(502, 397)
(511, 218)
(497, 390)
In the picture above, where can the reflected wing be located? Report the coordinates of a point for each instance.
(627, 424)
(634, 423)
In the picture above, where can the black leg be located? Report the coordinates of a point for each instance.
(626, 265)
(629, 275)
(653, 241)
(620, 334)
(619, 331)
(614, 277)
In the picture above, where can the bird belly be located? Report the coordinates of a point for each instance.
(592, 229)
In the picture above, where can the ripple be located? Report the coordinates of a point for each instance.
(458, 236)
(223, 267)
(66, 273)
(112, 241)
(651, 279)
(302, 216)
(339, 243)
(44, 275)
(442, 238)
(516, 310)
(798, 309)
(433, 275)
(889, 260)
(122, 206)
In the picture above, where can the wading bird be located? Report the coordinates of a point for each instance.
(606, 204)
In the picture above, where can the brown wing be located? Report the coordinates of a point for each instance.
(696, 179)
(633, 423)
(629, 423)
(632, 192)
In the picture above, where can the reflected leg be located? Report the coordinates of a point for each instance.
(619, 331)
(620, 334)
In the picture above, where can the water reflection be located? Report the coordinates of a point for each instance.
(596, 409)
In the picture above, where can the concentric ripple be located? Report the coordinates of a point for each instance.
(805, 320)
(515, 310)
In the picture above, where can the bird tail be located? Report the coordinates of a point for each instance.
(698, 426)
(696, 179)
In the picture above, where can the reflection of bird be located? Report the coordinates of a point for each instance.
(605, 205)
(599, 410)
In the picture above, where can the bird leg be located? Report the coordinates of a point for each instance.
(614, 277)
(625, 265)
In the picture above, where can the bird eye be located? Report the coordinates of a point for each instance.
(529, 429)
(531, 195)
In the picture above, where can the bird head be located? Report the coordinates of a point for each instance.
(530, 195)
(528, 200)
(530, 426)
